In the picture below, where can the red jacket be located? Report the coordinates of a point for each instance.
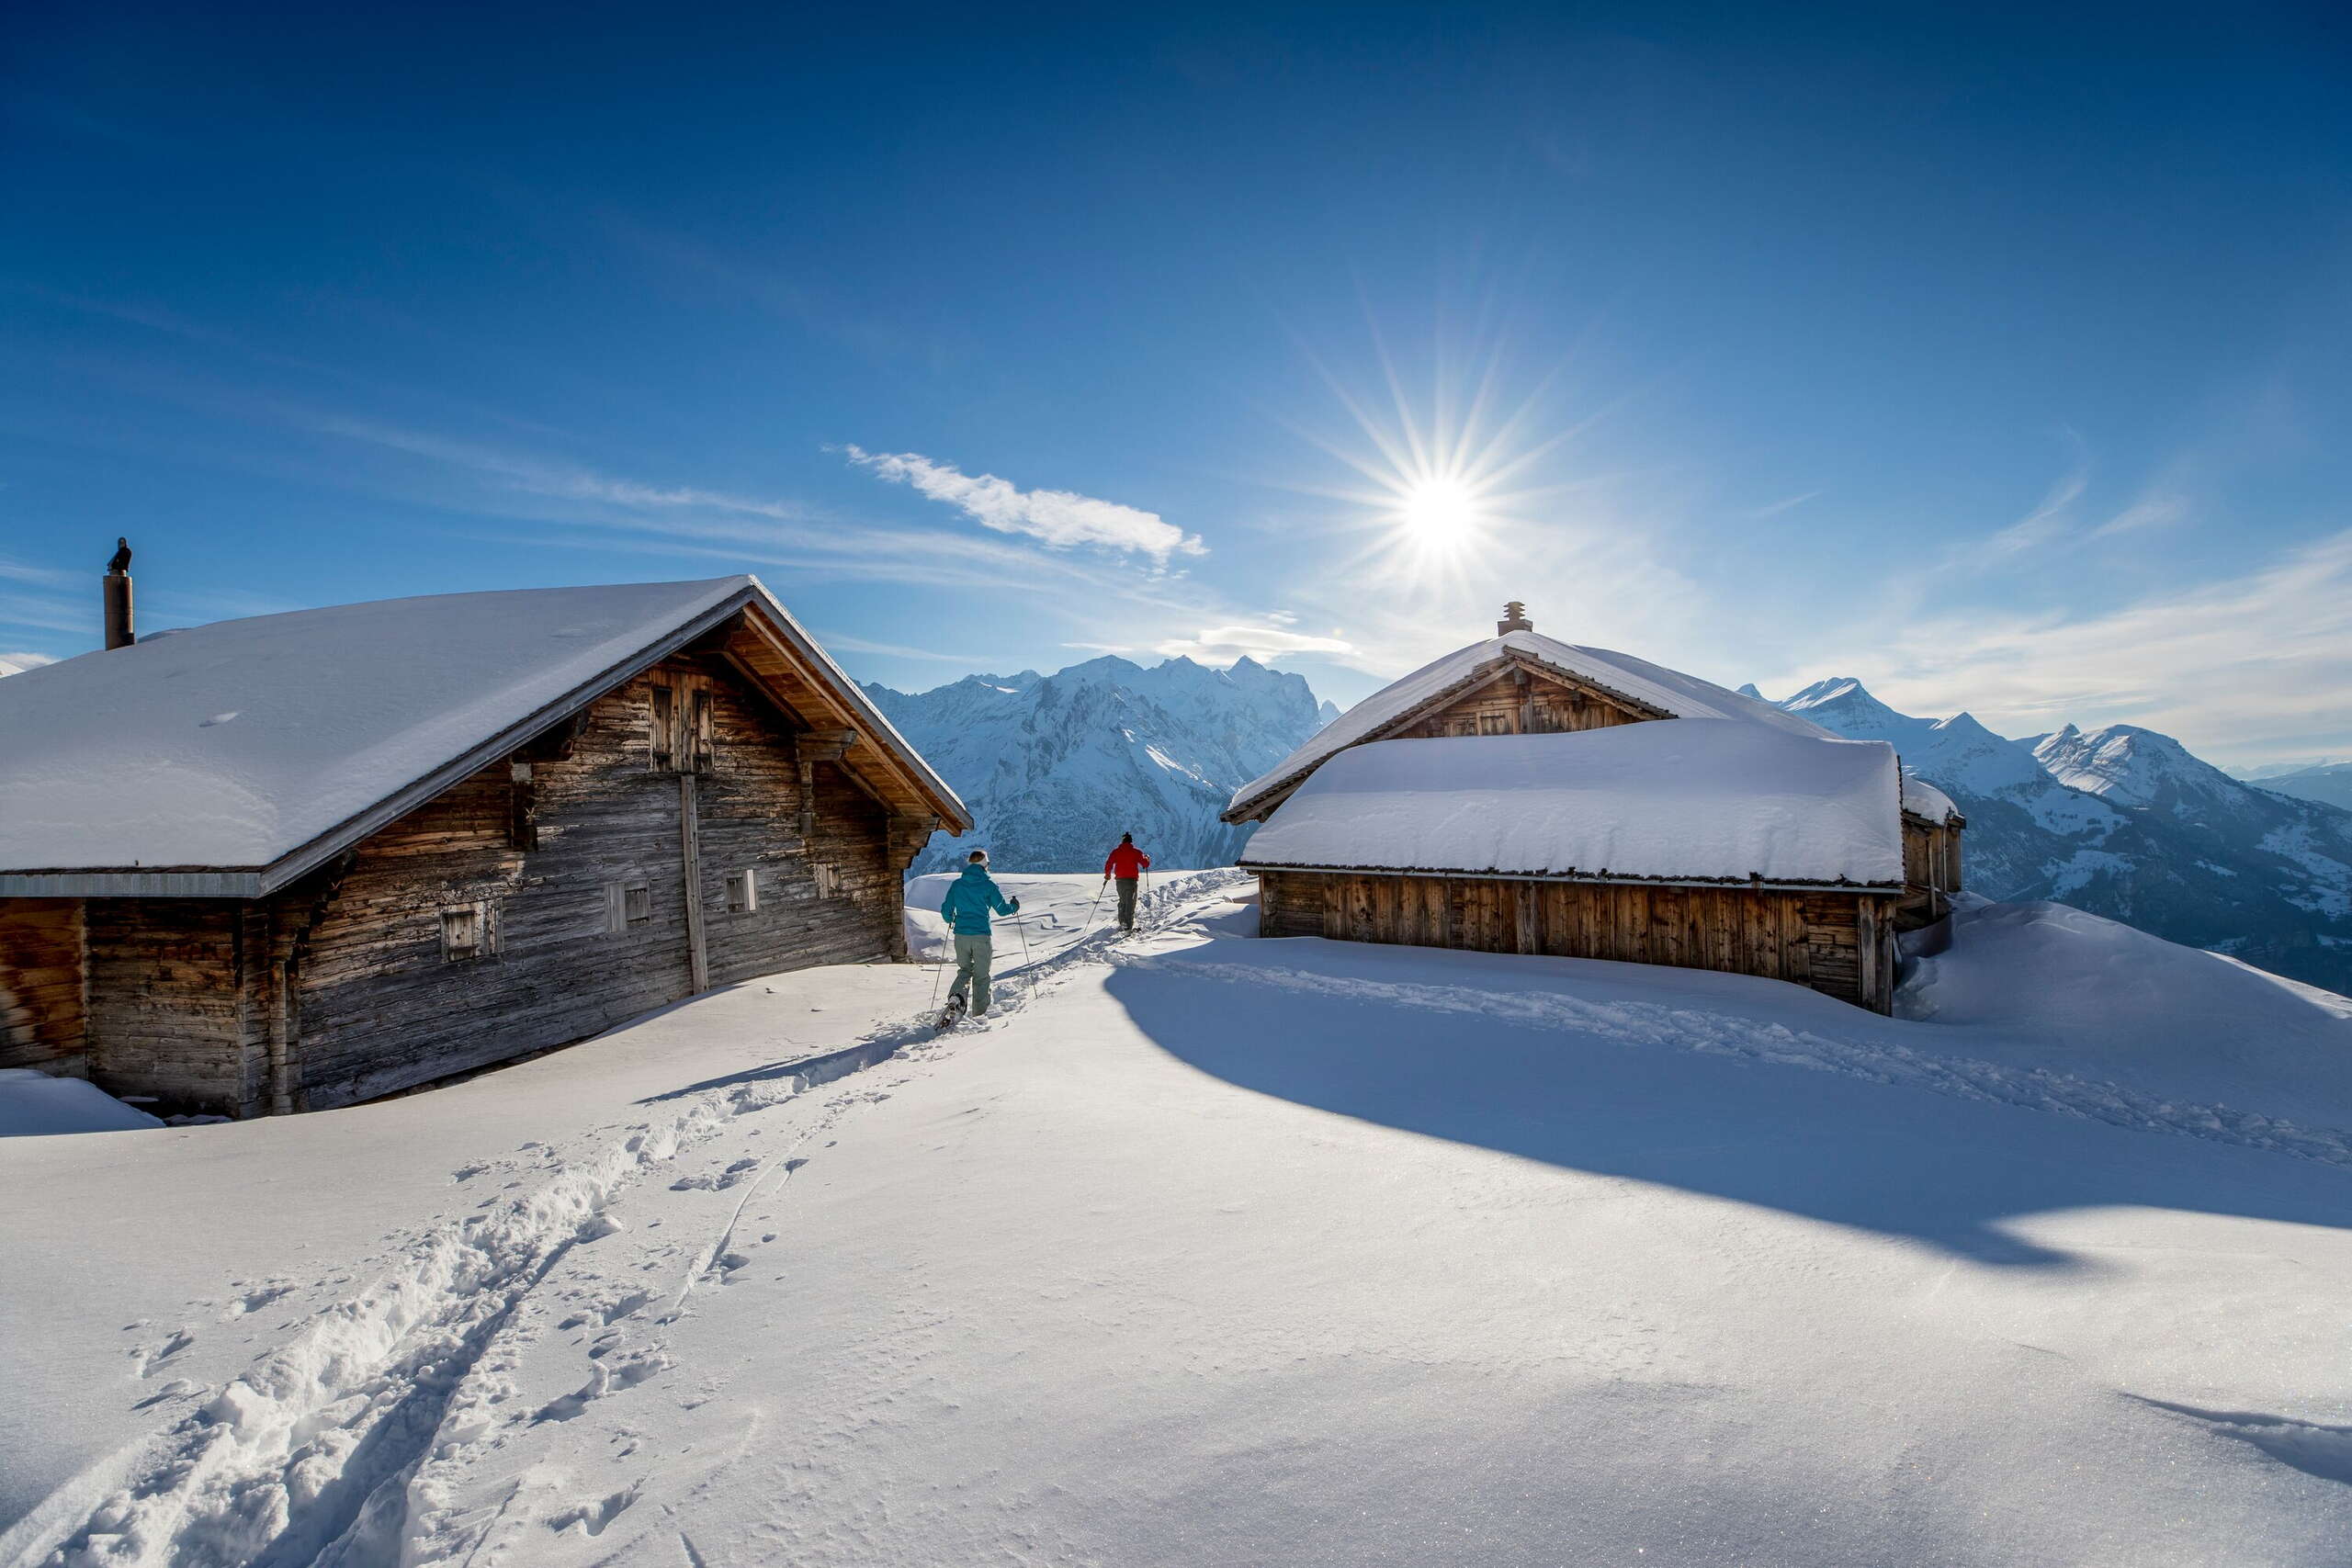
(1125, 862)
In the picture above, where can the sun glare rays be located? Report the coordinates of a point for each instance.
(1440, 476)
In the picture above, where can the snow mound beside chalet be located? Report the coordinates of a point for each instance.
(34, 1104)
(2056, 988)
(1700, 800)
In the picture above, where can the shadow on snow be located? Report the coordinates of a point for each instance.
(1890, 1156)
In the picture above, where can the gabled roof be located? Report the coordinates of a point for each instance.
(228, 759)
(1676, 801)
(1647, 687)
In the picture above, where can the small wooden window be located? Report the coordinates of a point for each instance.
(829, 882)
(743, 892)
(697, 745)
(465, 933)
(627, 904)
(665, 728)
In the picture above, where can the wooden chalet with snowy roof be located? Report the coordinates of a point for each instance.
(303, 860)
(1523, 795)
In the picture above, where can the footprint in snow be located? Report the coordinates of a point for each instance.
(149, 1357)
(592, 1517)
(254, 1300)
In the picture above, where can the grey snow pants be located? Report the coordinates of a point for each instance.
(1126, 903)
(972, 956)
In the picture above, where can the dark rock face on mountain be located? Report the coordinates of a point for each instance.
(2127, 823)
(1055, 767)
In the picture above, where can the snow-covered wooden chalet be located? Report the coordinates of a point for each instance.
(1523, 795)
(302, 860)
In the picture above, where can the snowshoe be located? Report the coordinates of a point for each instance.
(953, 1015)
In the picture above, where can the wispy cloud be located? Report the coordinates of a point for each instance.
(26, 661)
(41, 576)
(1788, 503)
(2242, 668)
(1222, 645)
(1059, 517)
(2050, 515)
(843, 642)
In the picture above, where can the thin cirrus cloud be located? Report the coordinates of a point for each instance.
(1222, 645)
(1058, 517)
(2238, 669)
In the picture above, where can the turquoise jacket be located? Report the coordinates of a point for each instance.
(969, 899)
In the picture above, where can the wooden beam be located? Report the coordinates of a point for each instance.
(690, 852)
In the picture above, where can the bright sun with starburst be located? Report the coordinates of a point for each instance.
(1439, 480)
(1439, 510)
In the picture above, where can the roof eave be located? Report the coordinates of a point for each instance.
(1594, 879)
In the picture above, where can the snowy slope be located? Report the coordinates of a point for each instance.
(2135, 767)
(32, 1103)
(1207, 1250)
(1056, 767)
(2128, 824)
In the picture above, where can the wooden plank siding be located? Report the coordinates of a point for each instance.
(1522, 701)
(1841, 944)
(1930, 871)
(380, 1005)
(41, 1019)
(346, 986)
(168, 1004)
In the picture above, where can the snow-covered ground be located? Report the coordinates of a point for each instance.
(1204, 1249)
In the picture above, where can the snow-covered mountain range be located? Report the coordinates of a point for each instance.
(2126, 822)
(2123, 822)
(1055, 767)
(2329, 782)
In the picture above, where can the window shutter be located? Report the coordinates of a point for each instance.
(665, 727)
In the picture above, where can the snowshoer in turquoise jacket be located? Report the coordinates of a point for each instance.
(965, 908)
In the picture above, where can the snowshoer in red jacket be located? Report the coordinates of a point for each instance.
(1126, 864)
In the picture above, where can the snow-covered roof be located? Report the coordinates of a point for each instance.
(1667, 692)
(228, 759)
(1925, 799)
(1677, 800)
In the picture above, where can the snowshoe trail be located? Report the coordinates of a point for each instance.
(348, 1444)
(321, 1451)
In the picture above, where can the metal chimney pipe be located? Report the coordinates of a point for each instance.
(120, 632)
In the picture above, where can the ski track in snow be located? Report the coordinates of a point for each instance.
(1879, 1061)
(339, 1446)
(347, 1445)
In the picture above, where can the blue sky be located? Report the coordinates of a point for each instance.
(1996, 360)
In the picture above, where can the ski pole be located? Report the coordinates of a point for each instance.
(1088, 924)
(1022, 927)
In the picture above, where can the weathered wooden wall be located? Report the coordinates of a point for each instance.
(1521, 703)
(41, 1022)
(1930, 871)
(378, 1007)
(1839, 944)
(169, 1011)
(749, 806)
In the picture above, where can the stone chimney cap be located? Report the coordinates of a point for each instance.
(1514, 620)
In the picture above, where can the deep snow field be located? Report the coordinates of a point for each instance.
(1205, 1249)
